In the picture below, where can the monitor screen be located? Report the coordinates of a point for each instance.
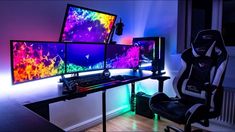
(122, 56)
(151, 49)
(81, 57)
(36, 60)
(147, 51)
(86, 25)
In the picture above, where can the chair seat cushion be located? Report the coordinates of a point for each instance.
(172, 110)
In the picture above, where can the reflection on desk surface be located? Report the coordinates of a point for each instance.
(17, 118)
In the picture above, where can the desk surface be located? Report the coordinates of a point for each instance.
(58, 95)
(15, 117)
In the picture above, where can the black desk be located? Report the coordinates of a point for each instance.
(15, 117)
(42, 105)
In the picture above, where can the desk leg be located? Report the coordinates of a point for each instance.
(160, 86)
(104, 110)
(133, 97)
(160, 89)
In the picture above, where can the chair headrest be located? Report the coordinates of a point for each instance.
(205, 42)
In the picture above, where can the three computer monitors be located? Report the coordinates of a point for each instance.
(122, 57)
(152, 52)
(31, 60)
(82, 57)
(86, 25)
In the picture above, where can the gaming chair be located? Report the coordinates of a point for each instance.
(198, 85)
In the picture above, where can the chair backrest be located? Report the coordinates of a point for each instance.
(204, 64)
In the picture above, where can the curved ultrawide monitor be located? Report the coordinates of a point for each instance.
(32, 60)
(122, 57)
(86, 25)
(82, 57)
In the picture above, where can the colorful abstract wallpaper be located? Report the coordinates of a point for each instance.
(147, 48)
(84, 57)
(36, 60)
(122, 56)
(84, 25)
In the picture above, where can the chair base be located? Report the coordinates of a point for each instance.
(168, 128)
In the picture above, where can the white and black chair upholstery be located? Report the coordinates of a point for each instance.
(198, 85)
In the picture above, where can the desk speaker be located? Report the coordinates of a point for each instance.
(142, 105)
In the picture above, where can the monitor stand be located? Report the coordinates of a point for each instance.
(76, 74)
(157, 73)
(106, 73)
(135, 69)
(73, 75)
(155, 68)
(67, 87)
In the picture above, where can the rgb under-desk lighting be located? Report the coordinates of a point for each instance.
(122, 56)
(86, 25)
(36, 60)
(81, 57)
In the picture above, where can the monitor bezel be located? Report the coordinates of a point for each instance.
(134, 68)
(86, 43)
(162, 50)
(66, 15)
(31, 41)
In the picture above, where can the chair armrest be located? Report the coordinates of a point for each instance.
(158, 97)
(196, 113)
(209, 89)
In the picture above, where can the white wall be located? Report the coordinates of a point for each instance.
(229, 80)
(42, 20)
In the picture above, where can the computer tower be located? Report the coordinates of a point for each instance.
(142, 105)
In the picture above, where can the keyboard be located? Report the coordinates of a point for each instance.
(72, 78)
(123, 77)
(84, 82)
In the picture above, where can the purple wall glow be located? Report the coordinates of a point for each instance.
(42, 20)
(28, 20)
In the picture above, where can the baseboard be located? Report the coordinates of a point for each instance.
(216, 126)
(222, 124)
(98, 119)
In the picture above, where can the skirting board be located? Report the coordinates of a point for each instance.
(222, 124)
(215, 127)
(98, 119)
